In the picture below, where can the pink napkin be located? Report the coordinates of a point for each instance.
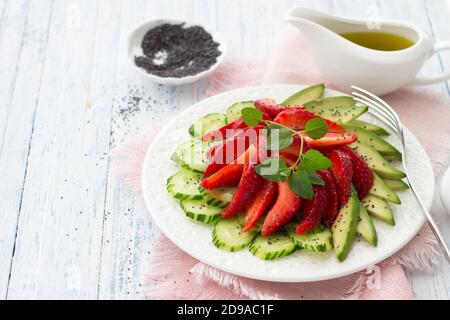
(173, 274)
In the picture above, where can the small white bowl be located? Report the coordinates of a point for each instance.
(135, 49)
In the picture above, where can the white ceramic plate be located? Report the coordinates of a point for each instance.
(302, 266)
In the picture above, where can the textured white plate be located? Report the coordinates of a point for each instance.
(302, 266)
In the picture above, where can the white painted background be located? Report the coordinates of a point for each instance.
(68, 227)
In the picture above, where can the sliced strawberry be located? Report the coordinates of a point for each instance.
(285, 208)
(362, 175)
(332, 208)
(293, 150)
(226, 152)
(263, 200)
(250, 184)
(269, 106)
(221, 133)
(343, 171)
(230, 174)
(313, 210)
(332, 140)
(296, 118)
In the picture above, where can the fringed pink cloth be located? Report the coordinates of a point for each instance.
(172, 274)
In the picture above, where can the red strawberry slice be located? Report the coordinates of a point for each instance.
(285, 208)
(293, 150)
(221, 133)
(226, 152)
(230, 174)
(270, 107)
(264, 199)
(332, 208)
(343, 171)
(331, 140)
(296, 118)
(313, 210)
(250, 184)
(362, 175)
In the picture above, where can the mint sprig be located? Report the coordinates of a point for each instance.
(301, 175)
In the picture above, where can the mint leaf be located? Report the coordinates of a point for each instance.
(273, 169)
(316, 128)
(315, 178)
(314, 160)
(301, 184)
(278, 139)
(252, 117)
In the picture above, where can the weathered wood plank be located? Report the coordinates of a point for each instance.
(19, 120)
(57, 250)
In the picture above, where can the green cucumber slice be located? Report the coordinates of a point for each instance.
(345, 226)
(201, 211)
(396, 185)
(338, 109)
(318, 240)
(374, 141)
(234, 111)
(379, 208)
(272, 247)
(380, 189)
(207, 123)
(305, 95)
(192, 155)
(227, 235)
(370, 127)
(366, 227)
(219, 197)
(376, 161)
(184, 185)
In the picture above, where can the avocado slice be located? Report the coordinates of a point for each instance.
(366, 227)
(380, 189)
(396, 185)
(305, 95)
(376, 162)
(345, 226)
(374, 141)
(370, 127)
(339, 109)
(379, 208)
(234, 111)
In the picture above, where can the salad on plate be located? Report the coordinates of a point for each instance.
(277, 177)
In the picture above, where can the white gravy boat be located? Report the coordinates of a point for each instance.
(346, 63)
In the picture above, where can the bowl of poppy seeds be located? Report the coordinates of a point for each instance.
(174, 52)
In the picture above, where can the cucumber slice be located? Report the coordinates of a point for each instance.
(272, 247)
(379, 209)
(318, 240)
(184, 185)
(380, 189)
(219, 197)
(374, 141)
(344, 227)
(305, 95)
(192, 155)
(200, 211)
(234, 111)
(366, 228)
(396, 185)
(208, 123)
(228, 235)
(376, 161)
(370, 127)
(338, 109)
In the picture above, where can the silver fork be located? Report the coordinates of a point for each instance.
(381, 110)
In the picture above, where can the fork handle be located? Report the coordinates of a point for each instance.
(434, 227)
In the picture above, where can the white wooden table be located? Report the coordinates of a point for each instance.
(68, 227)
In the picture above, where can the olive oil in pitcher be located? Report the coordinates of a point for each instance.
(379, 40)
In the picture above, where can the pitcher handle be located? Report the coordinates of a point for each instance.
(419, 81)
